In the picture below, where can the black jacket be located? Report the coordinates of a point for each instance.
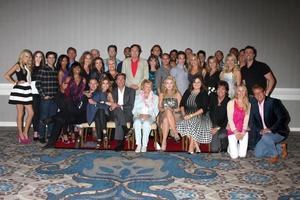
(276, 117)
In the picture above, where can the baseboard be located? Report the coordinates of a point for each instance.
(14, 124)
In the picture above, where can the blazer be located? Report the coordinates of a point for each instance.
(129, 98)
(141, 73)
(91, 109)
(276, 117)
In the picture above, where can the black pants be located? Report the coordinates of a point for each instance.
(121, 117)
(36, 116)
(100, 123)
(69, 114)
(219, 141)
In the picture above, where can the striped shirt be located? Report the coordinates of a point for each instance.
(47, 81)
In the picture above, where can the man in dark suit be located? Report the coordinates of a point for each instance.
(269, 120)
(122, 109)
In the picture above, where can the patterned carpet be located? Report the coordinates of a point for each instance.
(27, 172)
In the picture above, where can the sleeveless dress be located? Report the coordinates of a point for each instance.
(198, 127)
(21, 92)
(170, 102)
(229, 78)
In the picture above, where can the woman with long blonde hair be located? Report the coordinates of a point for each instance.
(21, 94)
(231, 74)
(238, 111)
(195, 68)
(212, 76)
(168, 104)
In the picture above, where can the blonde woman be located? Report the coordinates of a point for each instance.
(144, 113)
(212, 76)
(238, 111)
(168, 103)
(231, 74)
(195, 68)
(21, 95)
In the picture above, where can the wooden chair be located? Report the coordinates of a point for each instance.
(131, 140)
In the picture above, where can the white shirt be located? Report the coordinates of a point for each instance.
(261, 112)
(121, 96)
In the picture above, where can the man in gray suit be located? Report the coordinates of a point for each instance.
(122, 109)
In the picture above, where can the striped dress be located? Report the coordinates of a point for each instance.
(21, 92)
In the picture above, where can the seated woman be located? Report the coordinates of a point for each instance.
(144, 113)
(196, 123)
(71, 103)
(98, 107)
(218, 116)
(169, 100)
(238, 111)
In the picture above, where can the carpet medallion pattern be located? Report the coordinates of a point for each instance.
(28, 172)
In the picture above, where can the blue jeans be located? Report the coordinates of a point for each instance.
(48, 108)
(268, 145)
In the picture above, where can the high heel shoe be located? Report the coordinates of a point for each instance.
(21, 140)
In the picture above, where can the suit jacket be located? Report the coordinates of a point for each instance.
(91, 109)
(276, 117)
(141, 73)
(128, 101)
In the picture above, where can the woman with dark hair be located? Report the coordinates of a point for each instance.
(202, 56)
(38, 63)
(156, 50)
(196, 124)
(70, 103)
(86, 63)
(153, 64)
(98, 107)
(62, 67)
(218, 116)
(97, 69)
(212, 76)
(180, 73)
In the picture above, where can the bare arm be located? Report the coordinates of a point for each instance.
(160, 104)
(179, 97)
(270, 83)
(238, 77)
(10, 72)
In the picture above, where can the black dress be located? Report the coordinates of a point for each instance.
(211, 82)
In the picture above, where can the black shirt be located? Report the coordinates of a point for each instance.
(218, 113)
(211, 81)
(255, 74)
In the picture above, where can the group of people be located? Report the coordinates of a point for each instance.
(226, 104)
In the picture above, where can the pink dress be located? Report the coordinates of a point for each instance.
(238, 118)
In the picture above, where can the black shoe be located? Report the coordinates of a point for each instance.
(120, 146)
(129, 133)
(42, 140)
(47, 121)
(36, 139)
(48, 146)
